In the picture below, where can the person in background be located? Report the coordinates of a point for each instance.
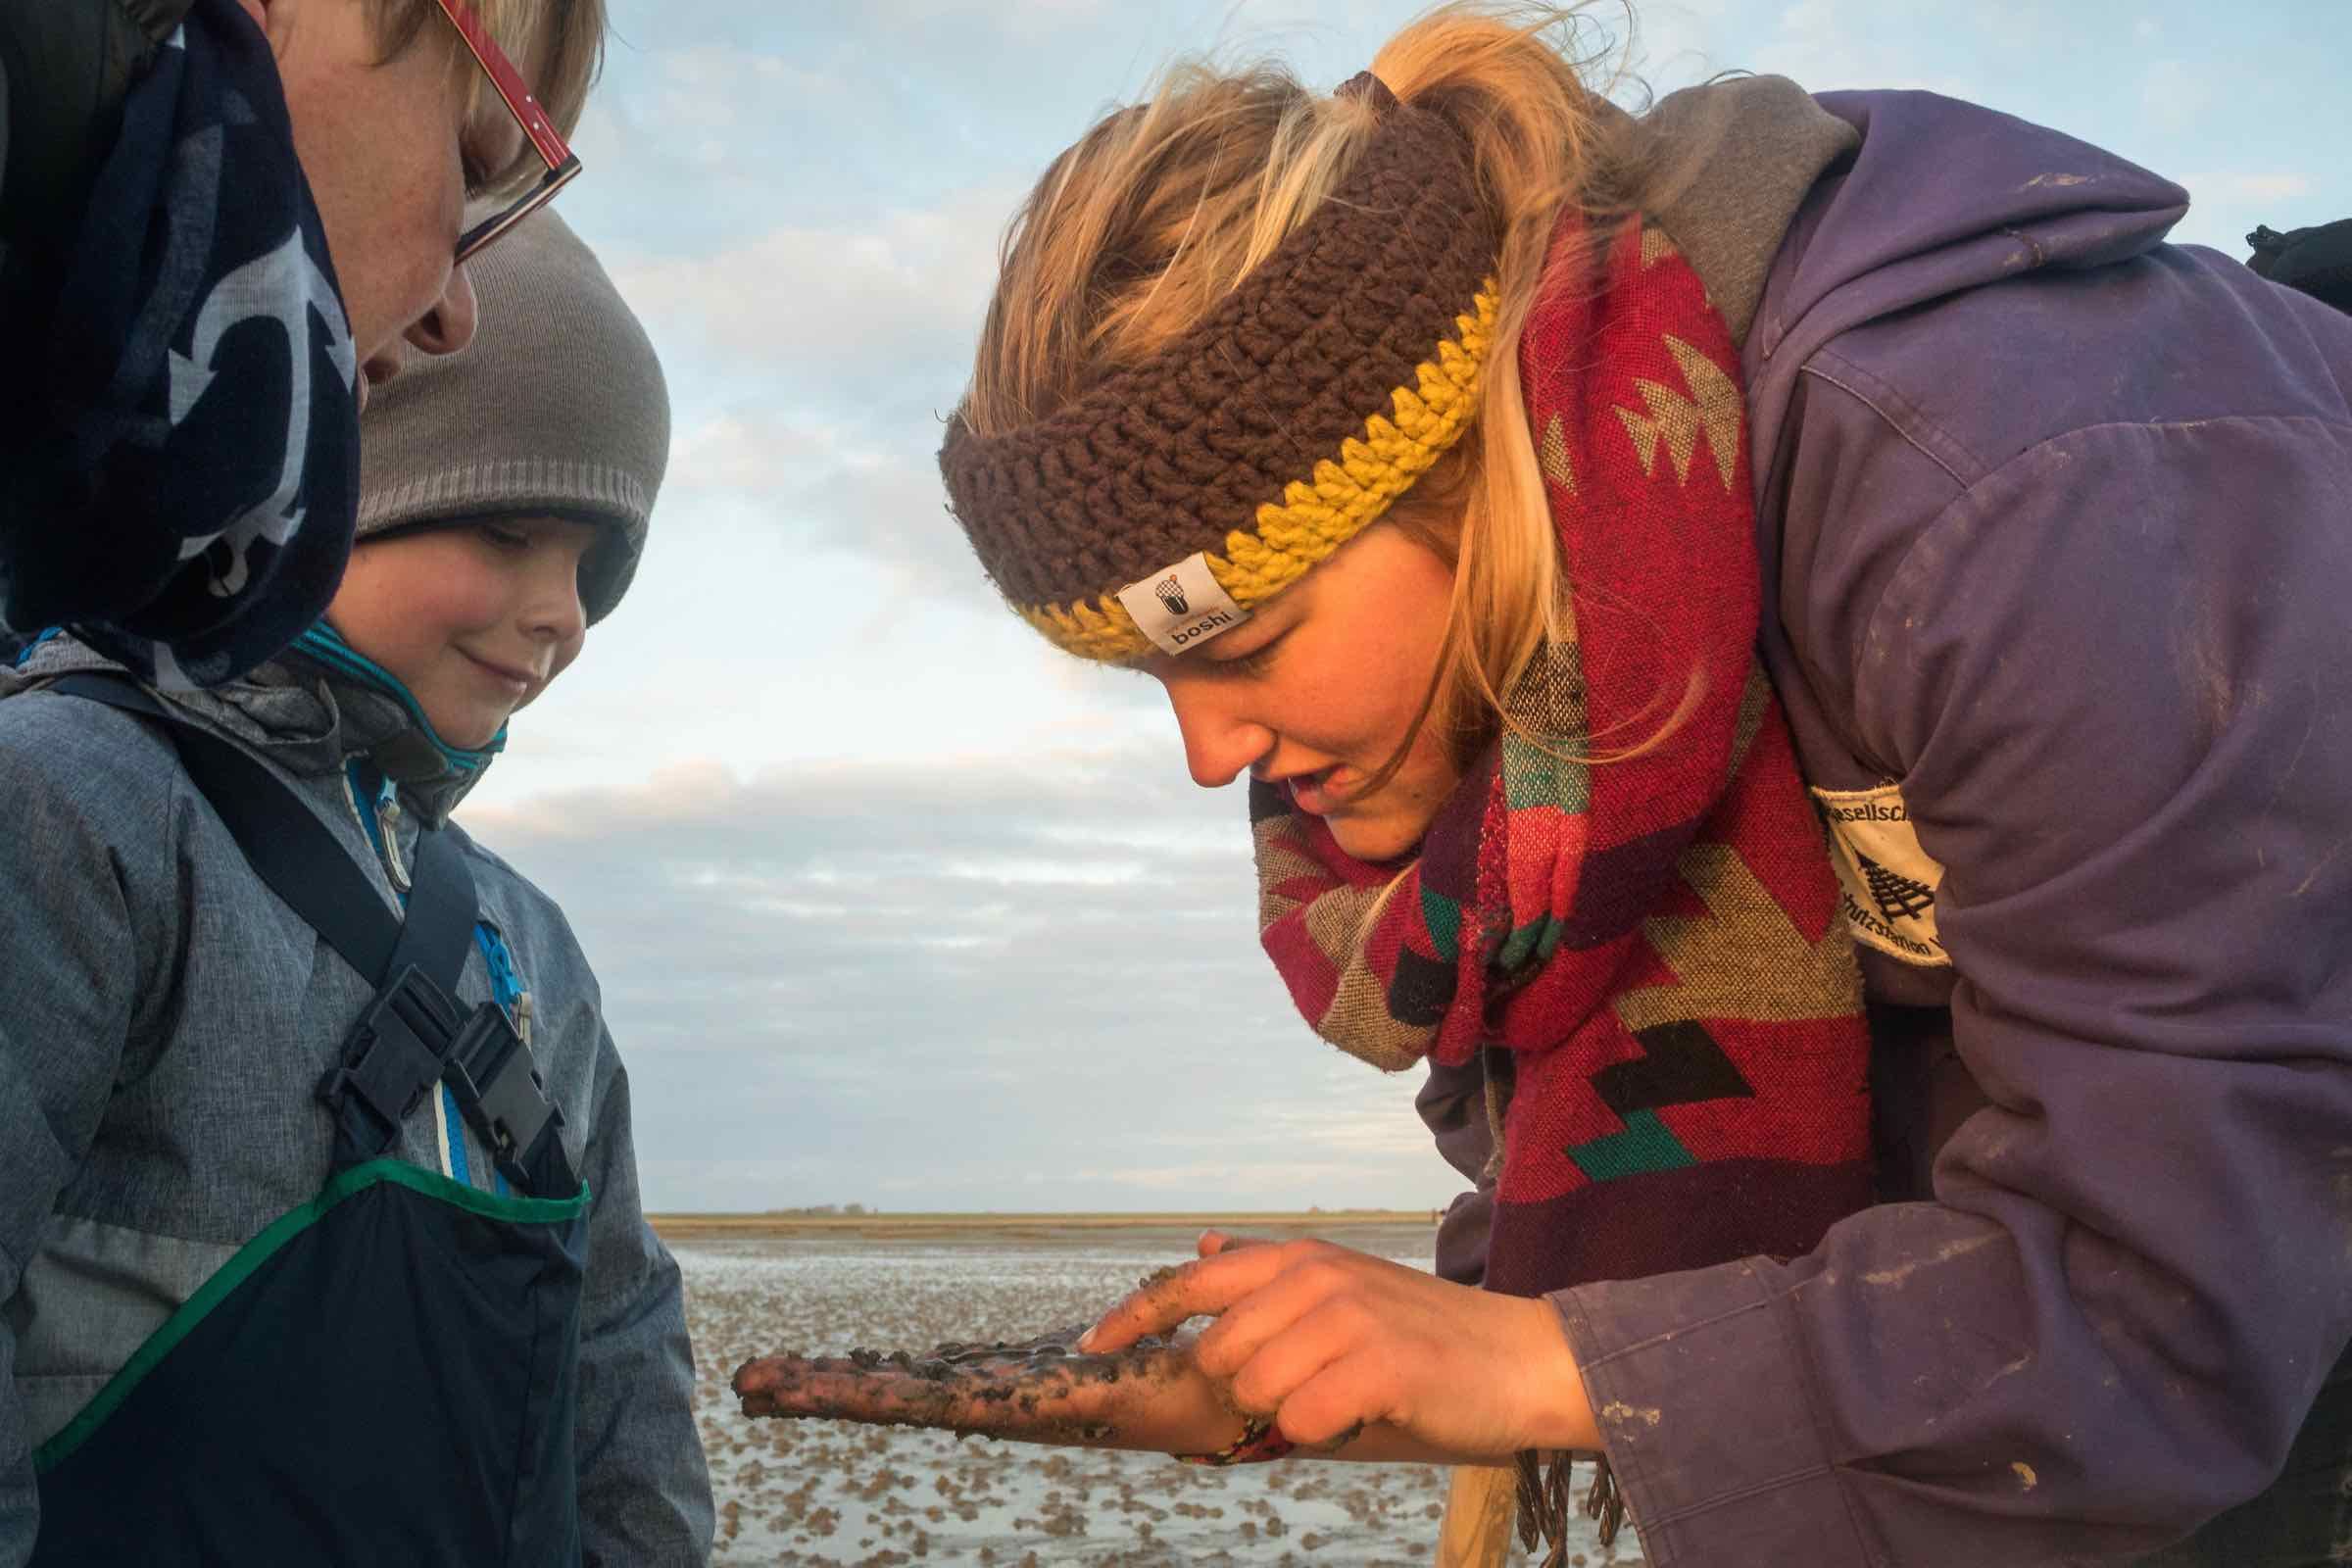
(1639, 565)
(262, 1300)
(219, 220)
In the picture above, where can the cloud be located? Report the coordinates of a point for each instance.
(1672, 43)
(1827, 44)
(910, 979)
(2174, 94)
(864, 488)
(714, 88)
(833, 318)
(2247, 187)
(1024, 18)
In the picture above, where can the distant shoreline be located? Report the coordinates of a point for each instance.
(787, 1223)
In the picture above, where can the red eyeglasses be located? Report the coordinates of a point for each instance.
(515, 93)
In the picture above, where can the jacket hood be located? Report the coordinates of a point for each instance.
(2001, 196)
(309, 710)
(1722, 168)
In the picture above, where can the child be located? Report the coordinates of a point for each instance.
(300, 1262)
(177, 178)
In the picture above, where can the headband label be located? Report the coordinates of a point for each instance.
(1182, 606)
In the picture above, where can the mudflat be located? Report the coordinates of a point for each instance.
(788, 1224)
(823, 1492)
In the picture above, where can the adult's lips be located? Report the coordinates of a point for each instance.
(1315, 793)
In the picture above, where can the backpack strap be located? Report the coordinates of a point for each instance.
(299, 857)
(413, 1034)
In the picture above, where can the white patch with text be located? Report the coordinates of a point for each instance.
(1886, 881)
(1182, 606)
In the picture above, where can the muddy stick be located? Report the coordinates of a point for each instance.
(1148, 1396)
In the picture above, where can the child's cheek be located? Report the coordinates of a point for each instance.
(479, 600)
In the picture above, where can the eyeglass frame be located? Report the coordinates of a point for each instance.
(563, 163)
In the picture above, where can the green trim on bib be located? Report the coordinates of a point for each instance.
(249, 1259)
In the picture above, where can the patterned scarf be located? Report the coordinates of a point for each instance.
(184, 489)
(1646, 949)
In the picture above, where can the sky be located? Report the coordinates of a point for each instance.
(891, 903)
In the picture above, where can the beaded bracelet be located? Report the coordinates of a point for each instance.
(1258, 1442)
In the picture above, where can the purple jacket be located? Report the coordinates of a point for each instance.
(2056, 526)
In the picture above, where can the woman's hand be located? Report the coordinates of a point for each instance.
(1350, 1356)
(1330, 1341)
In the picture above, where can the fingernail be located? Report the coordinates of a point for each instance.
(1085, 1341)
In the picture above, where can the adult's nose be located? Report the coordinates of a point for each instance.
(449, 324)
(1220, 739)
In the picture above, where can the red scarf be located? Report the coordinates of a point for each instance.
(1648, 949)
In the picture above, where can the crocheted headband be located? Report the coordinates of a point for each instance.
(1159, 507)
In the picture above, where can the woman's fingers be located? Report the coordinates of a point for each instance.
(1214, 1243)
(1330, 1340)
(1207, 1286)
(1338, 1400)
(1278, 1361)
(1267, 1313)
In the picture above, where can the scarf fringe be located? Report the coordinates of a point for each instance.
(1546, 1483)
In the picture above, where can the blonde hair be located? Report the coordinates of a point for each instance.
(1163, 207)
(559, 46)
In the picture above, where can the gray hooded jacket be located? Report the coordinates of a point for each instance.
(163, 1024)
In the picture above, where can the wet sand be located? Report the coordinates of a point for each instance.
(811, 1492)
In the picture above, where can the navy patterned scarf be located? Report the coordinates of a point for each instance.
(185, 490)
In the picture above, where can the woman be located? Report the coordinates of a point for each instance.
(1546, 508)
(174, 173)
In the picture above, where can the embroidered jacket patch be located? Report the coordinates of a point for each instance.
(1888, 882)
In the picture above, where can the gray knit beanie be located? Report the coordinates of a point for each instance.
(557, 407)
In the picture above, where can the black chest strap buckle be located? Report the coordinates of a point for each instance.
(412, 1039)
(498, 1089)
(390, 1062)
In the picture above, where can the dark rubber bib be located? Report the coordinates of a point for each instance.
(384, 1375)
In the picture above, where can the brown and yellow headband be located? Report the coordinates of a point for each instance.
(1157, 508)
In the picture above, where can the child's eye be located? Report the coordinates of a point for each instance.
(506, 538)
